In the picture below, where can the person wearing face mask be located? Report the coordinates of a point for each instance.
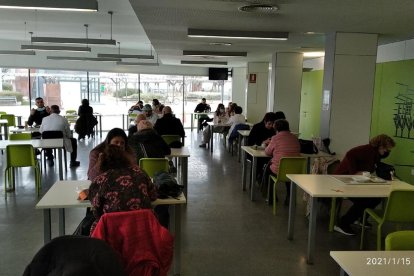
(37, 115)
(220, 117)
(116, 136)
(357, 160)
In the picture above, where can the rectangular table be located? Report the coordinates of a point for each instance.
(255, 154)
(40, 144)
(182, 155)
(378, 263)
(243, 136)
(326, 186)
(212, 125)
(63, 194)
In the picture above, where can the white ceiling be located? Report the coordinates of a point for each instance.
(164, 23)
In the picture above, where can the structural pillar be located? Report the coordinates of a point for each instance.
(348, 88)
(257, 91)
(286, 85)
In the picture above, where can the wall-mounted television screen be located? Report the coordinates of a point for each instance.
(218, 73)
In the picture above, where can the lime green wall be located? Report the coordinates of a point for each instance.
(388, 78)
(310, 106)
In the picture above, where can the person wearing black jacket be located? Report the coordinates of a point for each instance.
(168, 124)
(37, 115)
(262, 131)
(203, 119)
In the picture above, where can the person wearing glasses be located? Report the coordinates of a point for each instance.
(357, 160)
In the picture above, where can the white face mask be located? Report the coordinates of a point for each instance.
(41, 108)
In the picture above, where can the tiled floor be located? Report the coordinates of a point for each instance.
(224, 233)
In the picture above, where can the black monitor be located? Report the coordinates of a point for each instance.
(218, 73)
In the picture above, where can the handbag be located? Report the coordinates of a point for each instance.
(385, 171)
(307, 146)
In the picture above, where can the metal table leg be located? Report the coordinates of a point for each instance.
(61, 222)
(292, 210)
(47, 231)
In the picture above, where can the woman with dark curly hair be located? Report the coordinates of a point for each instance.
(122, 186)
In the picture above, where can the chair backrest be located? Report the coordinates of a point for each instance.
(234, 133)
(153, 165)
(291, 165)
(11, 119)
(400, 206)
(52, 134)
(71, 112)
(20, 136)
(171, 139)
(144, 245)
(3, 112)
(400, 240)
(75, 255)
(20, 156)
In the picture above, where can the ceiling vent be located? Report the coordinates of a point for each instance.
(259, 8)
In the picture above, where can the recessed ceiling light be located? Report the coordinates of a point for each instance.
(314, 54)
(259, 8)
(231, 34)
(220, 44)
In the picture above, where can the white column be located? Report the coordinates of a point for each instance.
(239, 86)
(286, 85)
(348, 87)
(257, 90)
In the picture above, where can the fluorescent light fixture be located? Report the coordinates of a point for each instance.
(56, 48)
(195, 62)
(238, 34)
(212, 53)
(126, 56)
(68, 40)
(314, 54)
(82, 58)
(63, 5)
(10, 52)
(137, 63)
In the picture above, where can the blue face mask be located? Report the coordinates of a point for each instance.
(41, 109)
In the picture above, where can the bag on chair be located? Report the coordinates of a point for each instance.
(307, 146)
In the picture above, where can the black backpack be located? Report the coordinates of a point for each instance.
(167, 185)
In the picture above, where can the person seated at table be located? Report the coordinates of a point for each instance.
(149, 114)
(55, 122)
(169, 125)
(133, 129)
(262, 131)
(122, 186)
(146, 142)
(237, 118)
(220, 117)
(230, 108)
(156, 106)
(37, 115)
(116, 136)
(86, 122)
(202, 107)
(283, 144)
(137, 108)
(357, 160)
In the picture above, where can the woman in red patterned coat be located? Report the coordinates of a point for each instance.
(122, 186)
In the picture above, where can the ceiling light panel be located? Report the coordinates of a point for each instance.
(194, 62)
(126, 56)
(68, 40)
(11, 52)
(63, 5)
(237, 34)
(213, 53)
(136, 63)
(82, 58)
(55, 48)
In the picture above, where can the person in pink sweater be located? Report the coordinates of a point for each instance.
(283, 144)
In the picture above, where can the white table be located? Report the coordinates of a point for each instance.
(243, 136)
(63, 195)
(212, 125)
(196, 115)
(255, 154)
(326, 186)
(378, 263)
(42, 144)
(182, 154)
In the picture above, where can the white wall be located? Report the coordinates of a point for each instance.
(257, 92)
(239, 86)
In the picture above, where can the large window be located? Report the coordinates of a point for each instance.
(110, 94)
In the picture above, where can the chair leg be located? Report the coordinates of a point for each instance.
(379, 237)
(274, 197)
(361, 245)
(332, 218)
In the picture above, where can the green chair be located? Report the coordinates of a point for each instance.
(153, 165)
(171, 138)
(287, 165)
(399, 209)
(20, 136)
(3, 112)
(400, 240)
(71, 112)
(71, 115)
(21, 156)
(11, 119)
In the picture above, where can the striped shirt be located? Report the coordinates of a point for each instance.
(283, 144)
